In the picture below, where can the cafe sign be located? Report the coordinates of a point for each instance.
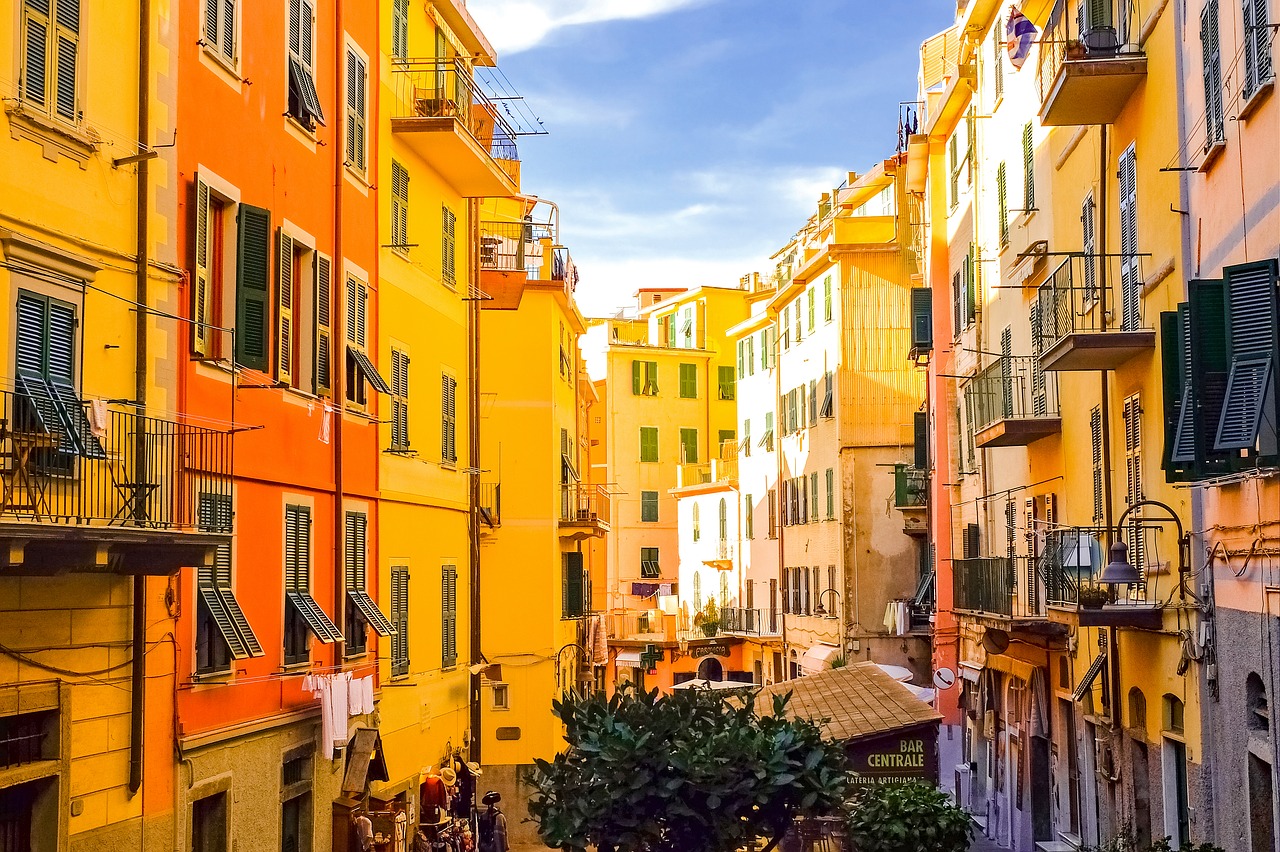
(910, 755)
(712, 650)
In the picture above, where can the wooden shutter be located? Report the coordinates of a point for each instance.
(970, 286)
(637, 379)
(1002, 203)
(813, 402)
(67, 19)
(921, 319)
(998, 40)
(449, 616)
(1210, 365)
(1130, 281)
(253, 250)
(1211, 65)
(284, 309)
(400, 29)
(1089, 243)
(957, 299)
(400, 620)
(399, 207)
(448, 271)
(323, 382)
(448, 405)
(35, 53)
(826, 299)
(1253, 327)
(1095, 438)
(831, 492)
(356, 117)
(574, 585)
(920, 431)
(296, 540)
(200, 290)
(354, 545)
(1006, 372)
(971, 540)
(1262, 37)
(1028, 169)
(362, 310)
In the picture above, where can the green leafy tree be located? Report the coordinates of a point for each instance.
(907, 818)
(692, 770)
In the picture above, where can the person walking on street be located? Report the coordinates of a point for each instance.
(493, 824)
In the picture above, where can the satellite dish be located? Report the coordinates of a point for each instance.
(995, 641)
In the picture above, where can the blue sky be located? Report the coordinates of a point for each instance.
(690, 138)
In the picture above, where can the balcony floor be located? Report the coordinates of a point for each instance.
(1018, 431)
(42, 548)
(1097, 350)
(1092, 90)
(1139, 617)
(447, 146)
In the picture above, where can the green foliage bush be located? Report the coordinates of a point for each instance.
(907, 818)
(694, 770)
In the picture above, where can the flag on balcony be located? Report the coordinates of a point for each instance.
(1020, 34)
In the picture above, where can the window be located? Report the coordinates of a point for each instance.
(688, 381)
(745, 449)
(303, 616)
(748, 514)
(448, 247)
(360, 367)
(448, 419)
(724, 520)
(357, 117)
(727, 386)
(448, 616)
(399, 208)
(1002, 203)
(813, 497)
(400, 29)
(1090, 248)
(45, 357)
(220, 28)
(813, 402)
(1257, 46)
(650, 569)
(400, 619)
(304, 102)
(827, 409)
(826, 299)
(1028, 169)
(644, 378)
(812, 310)
(765, 341)
(772, 497)
(695, 514)
(649, 507)
(50, 43)
(1211, 63)
(399, 399)
(574, 584)
(209, 823)
(696, 603)
(751, 355)
(1130, 274)
(766, 440)
(648, 443)
(222, 631)
(726, 442)
(831, 493)
(568, 471)
(295, 801)
(501, 696)
(361, 609)
(689, 446)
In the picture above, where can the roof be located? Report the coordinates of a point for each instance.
(852, 702)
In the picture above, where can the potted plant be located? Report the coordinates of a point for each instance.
(1093, 597)
(710, 618)
(906, 818)
(1074, 49)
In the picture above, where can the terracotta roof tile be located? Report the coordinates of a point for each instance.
(851, 702)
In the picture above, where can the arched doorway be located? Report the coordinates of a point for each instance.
(710, 669)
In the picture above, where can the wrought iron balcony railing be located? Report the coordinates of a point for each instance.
(1089, 313)
(62, 461)
(751, 622)
(1016, 395)
(581, 503)
(910, 487)
(1090, 61)
(490, 505)
(1001, 586)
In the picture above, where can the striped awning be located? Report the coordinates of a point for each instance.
(1086, 682)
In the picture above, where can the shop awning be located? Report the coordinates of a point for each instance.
(628, 659)
(818, 658)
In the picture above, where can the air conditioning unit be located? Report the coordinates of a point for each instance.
(964, 785)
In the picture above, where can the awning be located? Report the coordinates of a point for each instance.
(1086, 682)
(698, 683)
(818, 658)
(630, 659)
(898, 673)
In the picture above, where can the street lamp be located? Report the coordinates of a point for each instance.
(1119, 571)
(584, 655)
(820, 610)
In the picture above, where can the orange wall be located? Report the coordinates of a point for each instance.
(238, 131)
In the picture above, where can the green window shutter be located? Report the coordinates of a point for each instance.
(574, 585)
(748, 510)
(727, 386)
(742, 348)
(1028, 169)
(970, 287)
(1130, 280)
(1089, 243)
(812, 310)
(813, 496)
(400, 29)
(253, 283)
(688, 381)
(920, 431)
(1252, 332)
(648, 443)
(649, 506)
(689, 446)
(635, 378)
(957, 300)
(448, 616)
(1095, 438)
(831, 492)
(826, 299)
(67, 42)
(1209, 361)
(1179, 405)
(813, 402)
(1002, 203)
(400, 620)
(1211, 65)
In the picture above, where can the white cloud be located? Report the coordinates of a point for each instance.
(516, 25)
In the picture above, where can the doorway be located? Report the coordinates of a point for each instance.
(710, 669)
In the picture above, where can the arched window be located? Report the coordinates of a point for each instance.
(697, 590)
(1137, 709)
(697, 523)
(724, 520)
(1255, 693)
(1173, 714)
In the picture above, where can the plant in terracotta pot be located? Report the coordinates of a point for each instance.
(1074, 49)
(1093, 597)
(710, 619)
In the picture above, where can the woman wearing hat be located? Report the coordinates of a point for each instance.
(493, 824)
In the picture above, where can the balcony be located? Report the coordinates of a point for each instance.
(998, 587)
(640, 627)
(1015, 403)
(443, 115)
(1073, 559)
(584, 511)
(1090, 62)
(708, 473)
(489, 507)
(911, 498)
(738, 621)
(1076, 308)
(110, 491)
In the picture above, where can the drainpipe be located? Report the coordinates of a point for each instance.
(780, 495)
(473, 462)
(337, 375)
(138, 668)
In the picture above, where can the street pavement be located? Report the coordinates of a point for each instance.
(980, 844)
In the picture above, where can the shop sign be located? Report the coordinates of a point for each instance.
(713, 650)
(906, 756)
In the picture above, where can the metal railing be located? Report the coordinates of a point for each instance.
(62, 462)
(490, 505)
(752, 622)
(1086, 31)
(512, 246)
(629, 625)
(910, 487)
(447, 88)
(22, 740)
(1003, 586)
(1069, 301)
(1073, 559)
(1014, 387)
(581, 503)
(705, 473)
(724, 550)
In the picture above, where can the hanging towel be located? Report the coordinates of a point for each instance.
(891, 618)
(355, 697)
(644, 590)
(99, 418)
(665, 588)
(902, 613)
(366, 685)
(1038, 698)
(326, 418)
